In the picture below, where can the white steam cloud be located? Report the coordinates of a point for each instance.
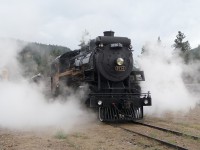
(163, 73)
(23, 104)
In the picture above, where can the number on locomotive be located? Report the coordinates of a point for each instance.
(120, 68)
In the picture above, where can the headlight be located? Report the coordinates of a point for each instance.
(120, 61)
(100, 102)
(146, 101)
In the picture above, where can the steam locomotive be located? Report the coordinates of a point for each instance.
(106, 66)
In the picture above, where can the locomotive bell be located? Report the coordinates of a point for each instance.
(120, 61)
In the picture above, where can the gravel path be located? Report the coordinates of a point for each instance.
(97, 136)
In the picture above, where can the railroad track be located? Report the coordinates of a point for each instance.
(137, 128)
(168, 130)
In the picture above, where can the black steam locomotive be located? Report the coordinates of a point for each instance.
(106, 66)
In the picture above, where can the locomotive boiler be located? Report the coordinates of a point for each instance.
(106, 66)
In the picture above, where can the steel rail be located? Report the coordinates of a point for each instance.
(168, 130)
(152, 138)
(155, 139)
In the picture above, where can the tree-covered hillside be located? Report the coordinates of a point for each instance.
(194, 54)
(36, 58)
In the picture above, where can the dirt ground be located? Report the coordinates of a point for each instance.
(96, 136)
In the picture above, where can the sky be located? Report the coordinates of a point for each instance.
(62, 22)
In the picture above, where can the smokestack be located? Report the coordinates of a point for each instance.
(108, 33)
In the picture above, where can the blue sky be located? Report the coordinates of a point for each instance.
(62, 22)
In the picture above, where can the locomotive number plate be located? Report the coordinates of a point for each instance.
(120, 68)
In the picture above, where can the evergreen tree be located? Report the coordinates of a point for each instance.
(179, 45)
(84, 39)
(159, 41)
(143, 50)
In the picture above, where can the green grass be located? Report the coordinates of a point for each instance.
(153, 135)
(61, 135)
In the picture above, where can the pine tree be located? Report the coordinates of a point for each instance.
(179, 45)
(159, 41)
(143, 50)
(84, 40)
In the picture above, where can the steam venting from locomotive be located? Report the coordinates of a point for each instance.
(164, 76)
(24, 106)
